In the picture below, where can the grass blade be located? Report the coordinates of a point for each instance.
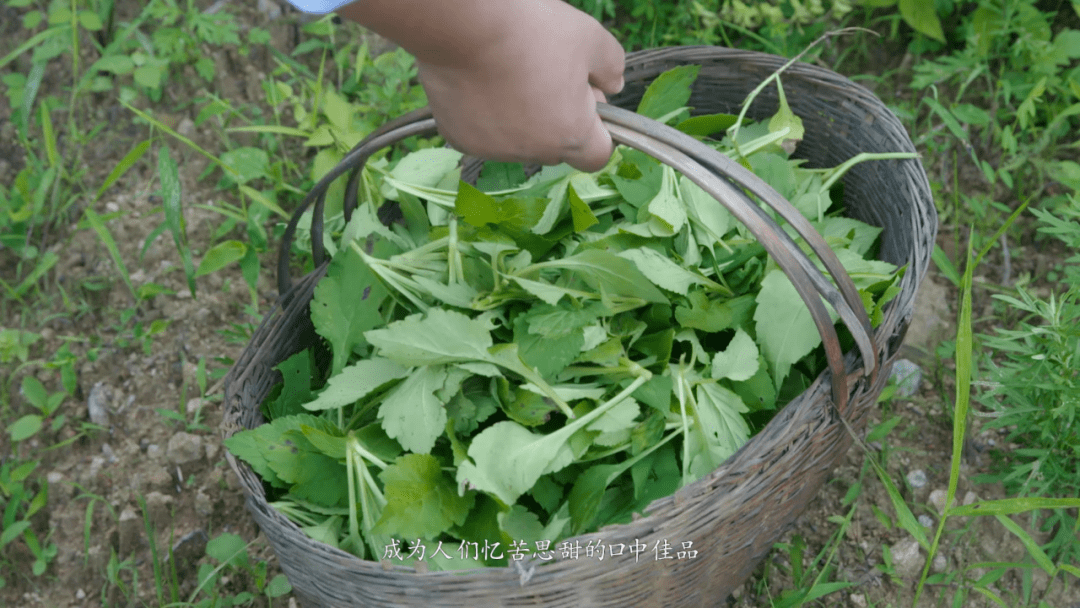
(44, 265)
(169, 175)
(1009, 506)
(110, 244)
(122, 167)
(1033, 548)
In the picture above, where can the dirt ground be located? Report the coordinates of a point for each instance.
(180, 471)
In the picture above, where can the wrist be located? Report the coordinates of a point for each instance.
(439, 32)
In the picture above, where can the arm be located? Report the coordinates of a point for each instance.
(508, 80)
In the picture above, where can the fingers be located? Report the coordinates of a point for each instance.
(608, 64)
(596, 151)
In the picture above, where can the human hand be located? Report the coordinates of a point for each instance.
(508, 80)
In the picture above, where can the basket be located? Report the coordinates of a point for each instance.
(733, 516)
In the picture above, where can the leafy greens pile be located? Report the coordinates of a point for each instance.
(535, 358)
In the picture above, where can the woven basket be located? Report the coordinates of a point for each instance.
(734, 515)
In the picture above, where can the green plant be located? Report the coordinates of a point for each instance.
(541, 268)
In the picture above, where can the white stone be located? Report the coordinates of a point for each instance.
(907, 560)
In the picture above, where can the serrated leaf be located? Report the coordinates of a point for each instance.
(739, 361)
(440, 336)
(785, 331)
(421, 501)
(355, 382)
(346, 305)
(548, 355)
(500, 176)
(662, 270)
(412, 414)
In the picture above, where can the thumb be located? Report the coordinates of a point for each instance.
(596, 152)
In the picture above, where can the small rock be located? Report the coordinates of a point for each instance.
(939, 564)
(184, 448)
(211, 451)
(108, 453)
(193, 406)
(96, 463)
(203, 505)
(926, 521)
(188, 551)
(80, 594)
(130, 525)
(97, 404)
(271, 9)
(970, 498)
(857, 600)
(186, 127)
(917, 478)
(153, 450)
(908, 377)
(112, 207)
(937, 500)
(158, 478)
(907, 561)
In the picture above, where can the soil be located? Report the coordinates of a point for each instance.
(97, 484)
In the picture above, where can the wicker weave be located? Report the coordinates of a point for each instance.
(734, 515)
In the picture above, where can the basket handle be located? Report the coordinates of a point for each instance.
(704, 166)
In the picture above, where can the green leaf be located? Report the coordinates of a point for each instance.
(739, 361)
(440, 336)
(669, 91)
(295, 387)
(116, 64)
(549, 355)
(228, 549)
(421, 501)
(122, 167)
(785, 118)
(620, 417)
(169, 174)
(279, 585)
(412, 413)
(920, 15)
(782, 322)
(426, 167)
(605, 270)
(25, 427)
(553, 321)
(12, 532)
(662, 270)
(247, 163)
(346, 304)
(220, 256)
(707, 124)
(507, 458)
(34, 392)
(719, 417)
(355, 382)
(500, 176)
(480, 209)
(580, 212)
(90, 21)
(712, 316)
